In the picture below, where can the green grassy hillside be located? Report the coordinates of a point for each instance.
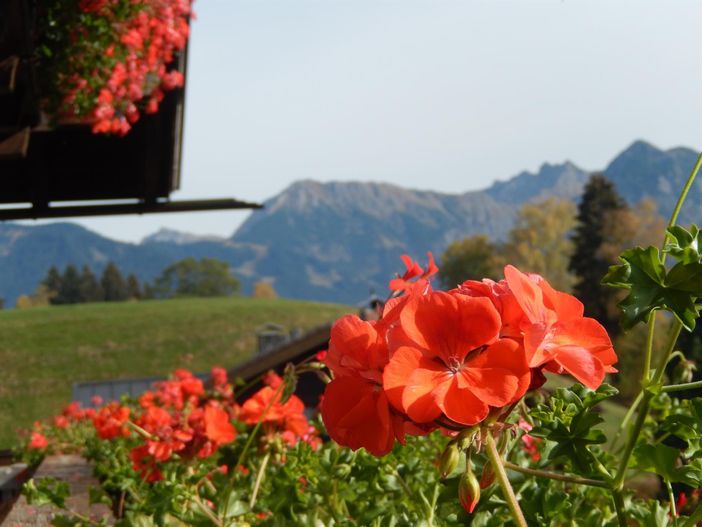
(43, 351)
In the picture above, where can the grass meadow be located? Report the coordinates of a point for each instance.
(43, 351)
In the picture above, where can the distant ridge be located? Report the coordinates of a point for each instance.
(338, 241)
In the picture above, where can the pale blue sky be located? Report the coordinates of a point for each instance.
(445, 95)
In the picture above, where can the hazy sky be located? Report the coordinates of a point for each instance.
(445, 95)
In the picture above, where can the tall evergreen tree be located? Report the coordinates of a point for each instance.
(52, 282)
(600, 199)
(90, 288)
(69, 293)
(133, 287)
(113, 284)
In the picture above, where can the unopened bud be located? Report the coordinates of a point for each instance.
(449, 459)
(342, 470)
(684, 371)
(468, 491)
(466, 437)
(487, 477)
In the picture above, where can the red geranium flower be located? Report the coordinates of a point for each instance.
(455, 364)
(37, 441)
(556, 335)
(218, 426)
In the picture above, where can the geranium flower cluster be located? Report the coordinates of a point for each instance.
(453, 359)
(181, 419)
(110, 61)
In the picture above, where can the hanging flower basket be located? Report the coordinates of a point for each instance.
(106, 62)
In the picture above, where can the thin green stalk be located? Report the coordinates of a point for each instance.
(556, 476)
(434, 499)
(681, 199)
(619, 507)
(682, 387)
(618, 482)
(649, 349)
(671, 499)
(403, 484)
(258, 424)
(207, 511)
(507, 491)
(259, 479)
(627, 418)
(663, 361)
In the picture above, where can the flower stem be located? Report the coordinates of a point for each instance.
(682, 387)
(681, 199)
(649, 349)
(554, 475)
(671, 500)
(625, 422)
(618, 482)
(259, 479)
(503, 481)
(619, 507)
(273, 400)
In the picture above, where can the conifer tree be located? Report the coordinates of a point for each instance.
(600, 199)
(133, 287)
(113, 284)
(52, 283)
(90, 288)
(69, 292)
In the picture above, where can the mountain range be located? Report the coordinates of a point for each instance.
(339, 241)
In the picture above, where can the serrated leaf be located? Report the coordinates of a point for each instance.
(663, 460)
(651, 287)
(684, 245)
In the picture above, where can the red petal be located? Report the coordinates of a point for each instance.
(582, 365)
(356, 415)
(426, 383)
(403, 362)
(446, 325)
(499, 375)
(528, 295)
(462, 406)
(355, 346)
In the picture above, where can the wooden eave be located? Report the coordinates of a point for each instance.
(44, 165)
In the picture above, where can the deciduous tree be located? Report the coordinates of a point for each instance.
(475, 257)
(191, 277)
(539, 241)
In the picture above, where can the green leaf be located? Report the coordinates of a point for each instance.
(651, 287)
(47, 491)
(233, 506)
(663, 460)
(684, 245)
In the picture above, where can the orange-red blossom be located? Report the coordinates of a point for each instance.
(451, 359)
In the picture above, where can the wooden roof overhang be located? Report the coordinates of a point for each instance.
(42, 166)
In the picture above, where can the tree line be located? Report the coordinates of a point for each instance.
(206, 277)
(76, 287)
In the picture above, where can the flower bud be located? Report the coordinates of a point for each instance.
(449, 459)
(684, 371)
(487, 477)
(468, 491)
(342, 470)
(465, 439)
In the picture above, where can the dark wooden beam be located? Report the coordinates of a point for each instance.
(158, 207)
